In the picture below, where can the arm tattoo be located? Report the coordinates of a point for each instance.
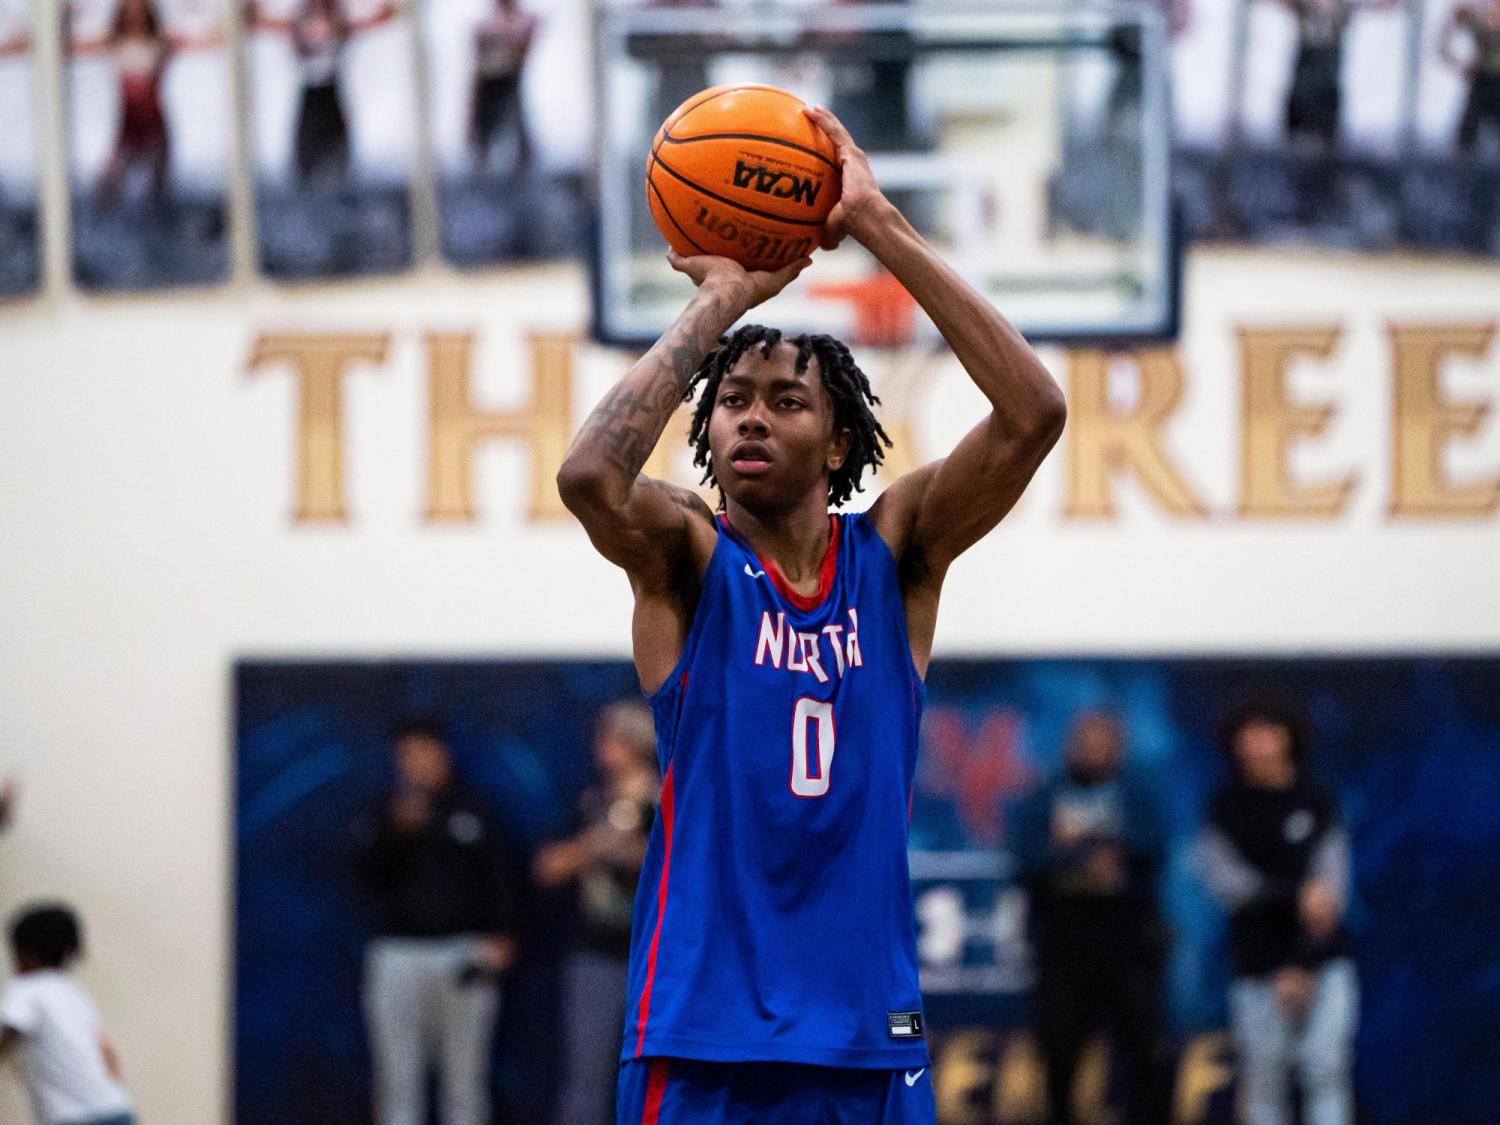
(625, 427)
(684, 498)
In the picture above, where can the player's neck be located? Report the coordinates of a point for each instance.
(794, 540)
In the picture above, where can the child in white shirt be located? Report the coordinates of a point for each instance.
(69, 1068)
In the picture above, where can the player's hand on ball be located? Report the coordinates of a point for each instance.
(754, 287)
(860, 188)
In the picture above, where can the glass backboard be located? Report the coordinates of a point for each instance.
(1031, 143)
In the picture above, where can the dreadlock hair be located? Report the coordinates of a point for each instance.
(845, 383)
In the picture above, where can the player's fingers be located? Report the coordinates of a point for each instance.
(833, 228)
(788, 273)
(825, 120)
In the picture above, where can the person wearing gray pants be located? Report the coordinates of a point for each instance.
(1276, 856)
(447, 889)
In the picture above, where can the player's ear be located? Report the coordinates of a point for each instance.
(838, 449)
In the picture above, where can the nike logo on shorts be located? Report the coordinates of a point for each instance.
(754, 573)
(911, 1079)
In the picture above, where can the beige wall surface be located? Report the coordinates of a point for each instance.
(365, 470)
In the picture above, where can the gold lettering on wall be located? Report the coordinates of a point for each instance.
(456, 428)
(1103, 442)
(961, 1072)
(1271, 422)
(1020, 1089)
(906, 377)
(902, 456)
(319, 362)
(980, 1078)
(1203, 1071)
(1424, 422)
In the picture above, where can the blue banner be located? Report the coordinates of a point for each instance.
(1411, 748)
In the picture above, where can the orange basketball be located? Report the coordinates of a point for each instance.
(741, 172)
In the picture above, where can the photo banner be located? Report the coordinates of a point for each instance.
(1407, 746)
(20, 254)
(150, 128)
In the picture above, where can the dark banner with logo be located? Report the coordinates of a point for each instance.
(1410, 747)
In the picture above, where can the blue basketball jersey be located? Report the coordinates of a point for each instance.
(774, 917)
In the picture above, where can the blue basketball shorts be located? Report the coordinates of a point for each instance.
(659, 1091)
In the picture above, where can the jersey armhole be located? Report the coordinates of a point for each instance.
(690, 642)
(869, 532)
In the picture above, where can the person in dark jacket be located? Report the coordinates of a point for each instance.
(447, 888)
(1090, 843)
(1276, 856)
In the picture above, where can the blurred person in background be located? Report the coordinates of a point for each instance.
(70, 1070)
(1090, 843)
(448, 889)
(142, 49)
(1481, 22)
(683, 74)
(501, 45)
(604, 859)
(1122, 116)
(8, 797)
(872, 95)
(1314, 104)
(1315, 97)
(15, 43)
(1276, 856)
(319, 33)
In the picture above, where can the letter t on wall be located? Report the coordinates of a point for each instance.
(319, 361)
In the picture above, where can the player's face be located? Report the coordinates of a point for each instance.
(770, 436)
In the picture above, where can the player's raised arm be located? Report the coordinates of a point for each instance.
(636, 522)
(932, 515)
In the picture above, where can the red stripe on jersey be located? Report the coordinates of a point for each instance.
(656, 1090)
(667, 815)
(826, 570)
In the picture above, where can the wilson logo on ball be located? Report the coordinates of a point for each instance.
(781, 185)
(759, 247)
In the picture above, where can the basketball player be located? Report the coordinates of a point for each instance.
(501, 44)
(773, 970)
(1481, 21)
(142, 49)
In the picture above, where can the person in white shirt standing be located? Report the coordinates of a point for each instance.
(70, 1070)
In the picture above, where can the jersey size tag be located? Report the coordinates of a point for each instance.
(905, 1025)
